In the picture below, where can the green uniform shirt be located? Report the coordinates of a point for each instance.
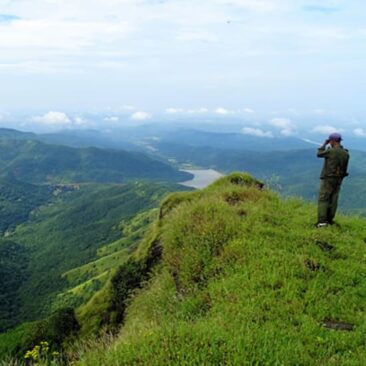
(336, 162)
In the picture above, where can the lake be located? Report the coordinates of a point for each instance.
(202, 177)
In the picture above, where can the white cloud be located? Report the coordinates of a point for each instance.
(194, 35)
(286, 126)
(174, 110)
(202, 110)
(325, 129)
(197, 111)
(128, 107)
(287, 132)
(112, 119)
(222, 111)
(256, 132)
(249, 110)
(253, 5)
(319, 111)
(138, 38)
(140, 116)
(191, 111)
(59, 34)
(359, 132)
(57, 119)
(82, 122)
(281, 122)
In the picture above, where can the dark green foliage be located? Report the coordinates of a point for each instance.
(54, 329)
(18, 199)
(12, 343)
(61, 325)
(13, 273)
(128, 278)
(68, 234)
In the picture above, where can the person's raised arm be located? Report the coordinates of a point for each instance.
(322, 152)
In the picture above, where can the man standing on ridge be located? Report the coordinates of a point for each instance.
(334, 170)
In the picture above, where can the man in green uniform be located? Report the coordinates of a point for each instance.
(334, 170)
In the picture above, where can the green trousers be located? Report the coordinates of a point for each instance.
(328, 199)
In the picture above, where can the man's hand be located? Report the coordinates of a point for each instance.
(326, 142)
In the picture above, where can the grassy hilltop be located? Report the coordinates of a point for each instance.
(231, 275)
(244, 278)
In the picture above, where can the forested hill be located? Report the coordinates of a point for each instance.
(86, 230)
(36, 162)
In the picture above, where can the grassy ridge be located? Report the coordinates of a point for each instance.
(245, 278)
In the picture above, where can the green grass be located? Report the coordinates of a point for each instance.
(243, 281)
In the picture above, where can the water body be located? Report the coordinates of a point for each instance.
(202, 178)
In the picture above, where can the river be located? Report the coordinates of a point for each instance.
(202, 177)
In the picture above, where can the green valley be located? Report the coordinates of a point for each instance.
(68, 233)
(69, 218)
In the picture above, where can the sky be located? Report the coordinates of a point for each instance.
(286, 60)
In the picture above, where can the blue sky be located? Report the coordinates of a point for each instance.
(284, 59)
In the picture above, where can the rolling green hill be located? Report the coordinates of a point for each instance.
(34, 162)
(241, 277)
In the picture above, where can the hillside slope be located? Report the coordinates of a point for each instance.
(35, 162)
(241, 277)
(58, 238)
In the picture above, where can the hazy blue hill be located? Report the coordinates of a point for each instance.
(237, 141)
(35, 162)
(90, 138)
(76, 138)
(259, 162)
(10, 133)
